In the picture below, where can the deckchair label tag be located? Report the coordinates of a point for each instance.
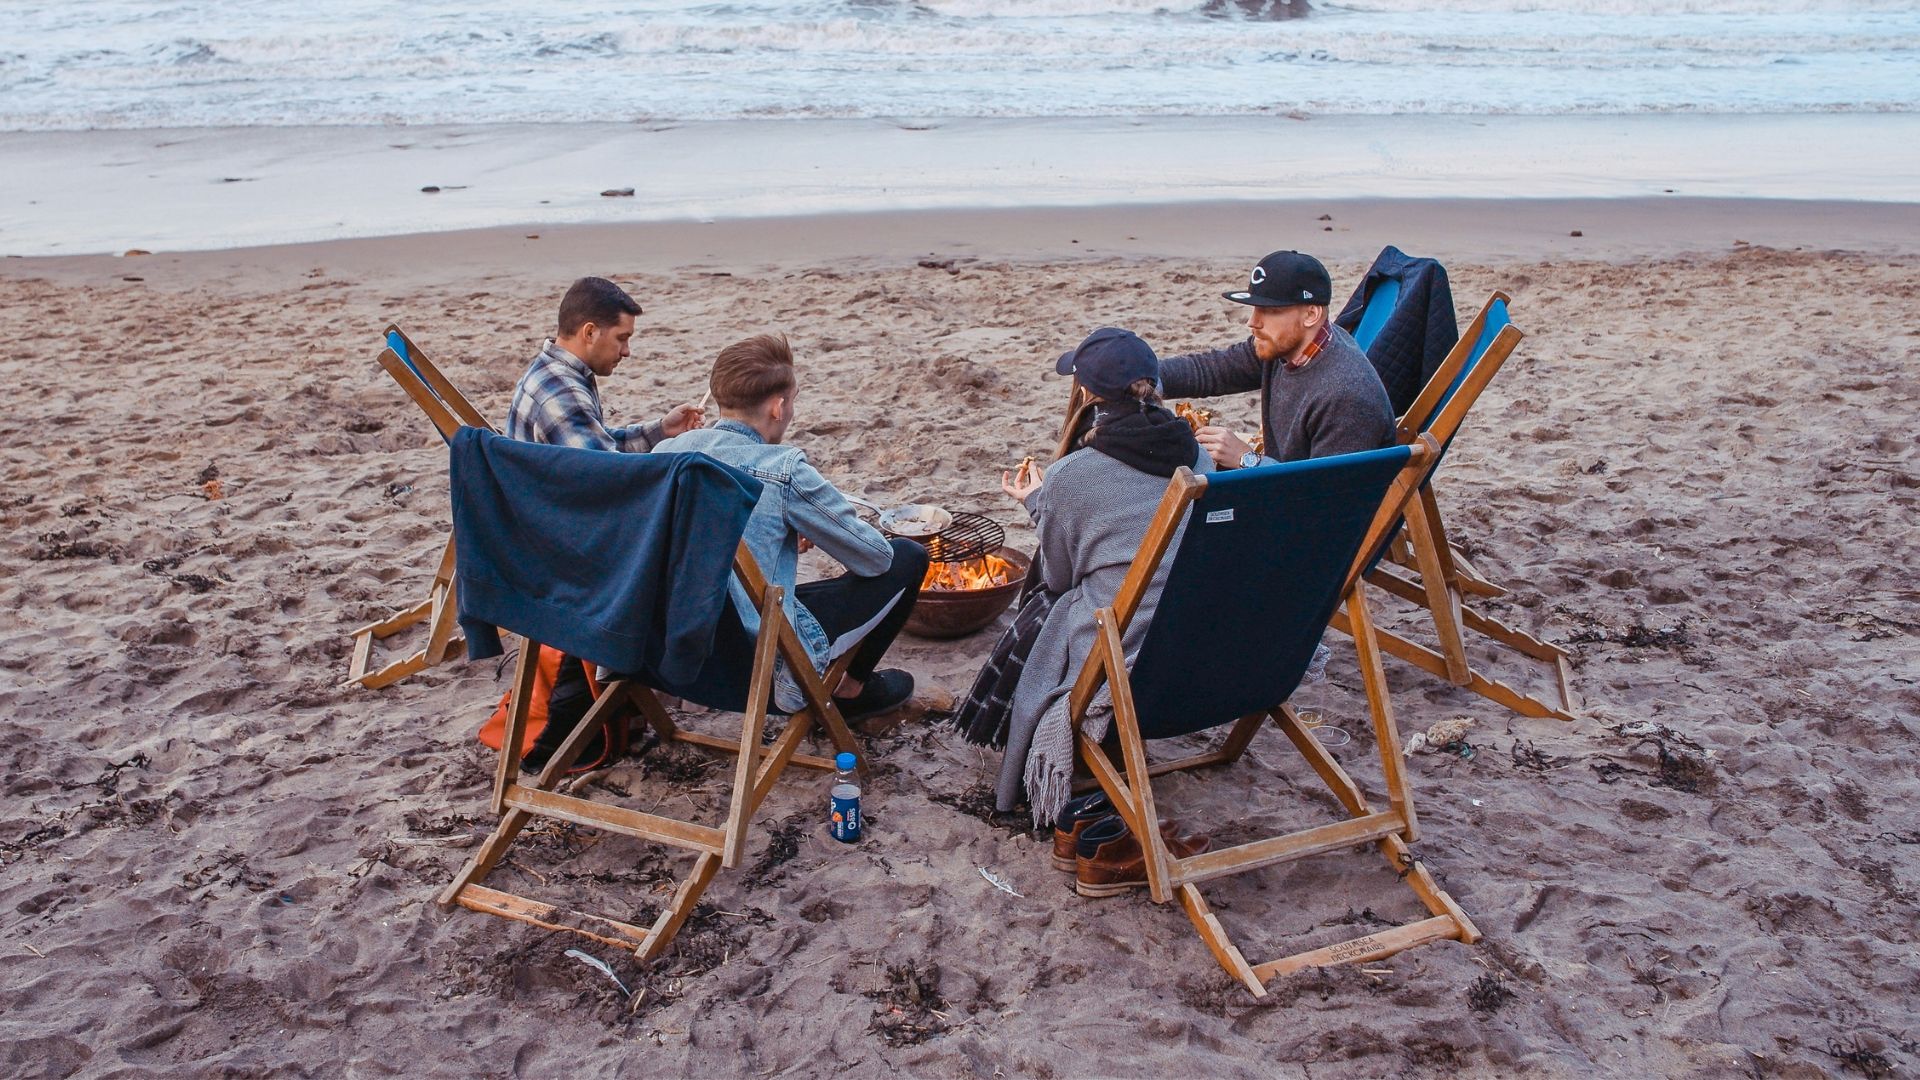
(1214, 517)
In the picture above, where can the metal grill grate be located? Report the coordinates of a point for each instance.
(969, 537)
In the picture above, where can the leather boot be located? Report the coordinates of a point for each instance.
(1073, 820)
(1109, 860)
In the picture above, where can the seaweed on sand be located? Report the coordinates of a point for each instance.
(911, 1009)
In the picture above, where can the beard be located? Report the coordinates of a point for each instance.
(1271, 349)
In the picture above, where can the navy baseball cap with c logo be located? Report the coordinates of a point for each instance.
(1285, 279)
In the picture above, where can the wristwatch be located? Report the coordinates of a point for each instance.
(1249, 460)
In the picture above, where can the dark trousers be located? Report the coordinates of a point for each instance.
(846, 603)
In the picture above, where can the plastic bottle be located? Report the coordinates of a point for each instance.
(844, 804)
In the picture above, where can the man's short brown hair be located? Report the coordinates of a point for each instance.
(749, 372)
(594, 300)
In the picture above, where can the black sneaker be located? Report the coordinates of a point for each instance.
(885, 690)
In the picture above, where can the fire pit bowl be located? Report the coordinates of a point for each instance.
(950, 613)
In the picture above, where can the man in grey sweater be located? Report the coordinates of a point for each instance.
(1319, 394)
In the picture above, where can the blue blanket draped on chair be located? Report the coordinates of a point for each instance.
(620, 559)
(1402, 318)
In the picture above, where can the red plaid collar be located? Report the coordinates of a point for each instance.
(1313, 347)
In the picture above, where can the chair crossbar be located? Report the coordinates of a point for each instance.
(549, 917)
(1368, 947)
(1279, 849)
(664, 830)
(730, 746)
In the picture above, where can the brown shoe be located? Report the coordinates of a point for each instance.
(1073, 820)
(1108, 860)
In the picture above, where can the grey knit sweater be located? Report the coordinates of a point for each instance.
(1091, 514)
(1334, 405)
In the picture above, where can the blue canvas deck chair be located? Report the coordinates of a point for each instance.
(1422, 564)
(449, 410)
(735, 676)
(1273, 551)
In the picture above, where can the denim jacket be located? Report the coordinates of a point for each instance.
(795, 501)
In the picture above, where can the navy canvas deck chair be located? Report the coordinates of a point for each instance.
(1401, 316)
(449, 410)
(1274, 551)
(734, 673)
(1427, 570)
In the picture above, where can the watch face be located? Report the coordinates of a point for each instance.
(1249, 459)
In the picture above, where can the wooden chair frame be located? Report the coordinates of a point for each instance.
(756, 769)
(1430, 572)
(1129, 783)
(449, 410)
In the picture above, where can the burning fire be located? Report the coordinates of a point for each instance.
(982, 573)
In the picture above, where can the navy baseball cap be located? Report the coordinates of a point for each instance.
(1109, 361)
(1285, 279)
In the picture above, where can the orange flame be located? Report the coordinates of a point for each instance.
(982, 573)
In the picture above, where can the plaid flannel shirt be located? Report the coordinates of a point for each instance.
(558, 402)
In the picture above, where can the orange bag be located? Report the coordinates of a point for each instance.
(545, 674)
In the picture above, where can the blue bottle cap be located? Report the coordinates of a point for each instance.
(844, 761)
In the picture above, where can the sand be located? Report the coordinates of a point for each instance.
(191, 189)
(1700, 472)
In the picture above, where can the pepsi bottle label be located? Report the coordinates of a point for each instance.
(845, 821)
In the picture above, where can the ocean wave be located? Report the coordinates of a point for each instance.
(1628, 9)
(118, 63)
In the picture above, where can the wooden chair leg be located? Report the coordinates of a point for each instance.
(1322, 763)
(440, 611)
(653, 714)
(1442, 598)
(759, 692)
(363, 641)
(818, 691)
(519, 700)
(1432, 662)
(1133, 752)
(486, 856)
(1218, 943)
(1380, 703)
(675, 914)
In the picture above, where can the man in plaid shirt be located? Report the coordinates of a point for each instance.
(558, 399)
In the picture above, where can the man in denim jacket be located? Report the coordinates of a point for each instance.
(860, 611)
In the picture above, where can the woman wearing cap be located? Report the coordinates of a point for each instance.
(1091, 511)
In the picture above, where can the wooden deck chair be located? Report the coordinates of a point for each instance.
(737, 678)
(449, 410)
(1274, 551)
(1430, 572)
